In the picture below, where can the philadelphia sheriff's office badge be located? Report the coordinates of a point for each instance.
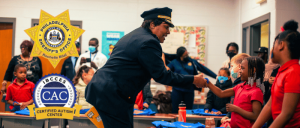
(54, 96)
(54, 38)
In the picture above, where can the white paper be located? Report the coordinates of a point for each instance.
(192, 51)
(192, 40)
(172, 42)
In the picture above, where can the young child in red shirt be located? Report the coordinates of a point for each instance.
(283, 105)
(248, 96)
(19, 93)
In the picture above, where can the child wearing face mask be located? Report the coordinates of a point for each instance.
(248, 95)
(215, 102)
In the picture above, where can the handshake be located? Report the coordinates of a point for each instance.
(199, 81)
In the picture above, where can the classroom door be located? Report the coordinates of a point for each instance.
(6, 37)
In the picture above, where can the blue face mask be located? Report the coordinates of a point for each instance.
(233, 74)
(92, 49)
(222, 79)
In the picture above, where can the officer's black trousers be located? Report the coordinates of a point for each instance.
(115, 121)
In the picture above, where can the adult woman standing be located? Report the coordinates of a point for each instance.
(231, 50)
(186, 66)
(33, 65)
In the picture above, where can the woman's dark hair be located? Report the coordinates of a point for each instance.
(259, 65)
(180, 51)
(226, 70)
(232, 44)
(82, 69)
(28, 44)
(19, 66)
(146, 23)
(292, 37)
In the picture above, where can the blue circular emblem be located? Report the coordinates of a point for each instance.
(54, 90)
(54, 37)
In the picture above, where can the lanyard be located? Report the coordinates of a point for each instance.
(94, 56)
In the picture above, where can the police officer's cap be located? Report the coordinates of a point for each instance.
(159, 13)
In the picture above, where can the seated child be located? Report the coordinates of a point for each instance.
(19, 93)
(215, 102)
(248, 96)
(144, 98)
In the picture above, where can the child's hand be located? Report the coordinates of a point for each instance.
(23, 105)
(223, 120)
(228, 120)
(136, 106)
(206, 111)
(271, 80)
(137, 111)
(230, 107)
(218, 113)
(146, 105)
(3, 88)
(16, 104)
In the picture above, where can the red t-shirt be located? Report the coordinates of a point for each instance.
(140, 100)
(244, 94)
(286, 81)
(19, 93)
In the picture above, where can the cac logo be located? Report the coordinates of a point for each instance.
(54, 91)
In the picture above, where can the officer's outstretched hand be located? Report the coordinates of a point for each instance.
(199, 81)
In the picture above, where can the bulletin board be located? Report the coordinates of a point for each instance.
(192, 38)
(109, 40)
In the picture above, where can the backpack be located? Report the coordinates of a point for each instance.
(163, 102)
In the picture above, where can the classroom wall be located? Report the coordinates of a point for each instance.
(249, 10)
(280, 10)
(124, 15)
(285, 11)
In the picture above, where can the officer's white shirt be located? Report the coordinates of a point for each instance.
(98, 58)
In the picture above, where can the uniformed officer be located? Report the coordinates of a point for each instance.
(135, 59)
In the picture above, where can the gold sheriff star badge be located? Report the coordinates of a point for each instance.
(54, 38)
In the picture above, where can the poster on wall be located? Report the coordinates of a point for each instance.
(192, 38)
(172, 42)
(109, 39)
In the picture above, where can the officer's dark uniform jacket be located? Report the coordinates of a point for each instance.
(135, 59)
